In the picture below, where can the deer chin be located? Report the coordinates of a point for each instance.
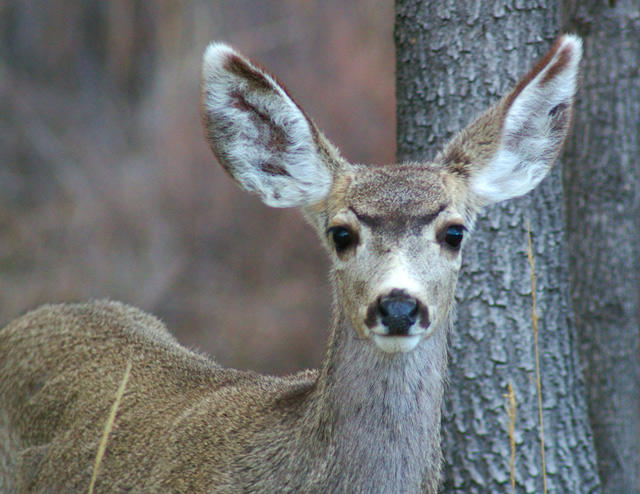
(397, 344)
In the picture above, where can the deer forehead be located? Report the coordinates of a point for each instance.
(395, 198)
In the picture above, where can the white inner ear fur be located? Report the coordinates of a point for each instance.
(266, 142)
(531, 140)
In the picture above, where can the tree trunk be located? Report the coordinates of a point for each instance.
(602, 177)
(453, 60)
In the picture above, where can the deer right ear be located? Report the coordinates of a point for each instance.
(262, 138)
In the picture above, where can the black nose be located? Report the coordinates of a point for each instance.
(398, 312)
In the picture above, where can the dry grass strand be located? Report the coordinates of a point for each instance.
(534, 317)
(511, 411)
(109, 426)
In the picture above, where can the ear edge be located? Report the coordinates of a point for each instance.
(558, 59)
(215, 55)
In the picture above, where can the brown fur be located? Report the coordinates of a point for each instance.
(367, 421)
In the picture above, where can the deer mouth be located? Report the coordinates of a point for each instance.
(397, 344)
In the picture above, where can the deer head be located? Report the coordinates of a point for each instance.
(394, 233)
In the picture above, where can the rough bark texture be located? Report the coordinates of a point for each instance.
(453, 60)
(602, 177)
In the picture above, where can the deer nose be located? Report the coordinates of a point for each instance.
(398, 312)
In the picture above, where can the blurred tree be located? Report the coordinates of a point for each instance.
(602, 183)
(108, 188)
(453, 60)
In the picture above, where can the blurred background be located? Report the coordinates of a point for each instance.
(108, 188)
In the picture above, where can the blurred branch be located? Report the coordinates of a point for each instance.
(269, 36)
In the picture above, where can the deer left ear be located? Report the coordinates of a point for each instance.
(512, 147)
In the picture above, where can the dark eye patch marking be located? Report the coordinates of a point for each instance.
(398, 222)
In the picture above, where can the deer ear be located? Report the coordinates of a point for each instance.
(512, 147)
(262, 138)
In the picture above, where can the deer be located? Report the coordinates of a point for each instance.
(368, 420)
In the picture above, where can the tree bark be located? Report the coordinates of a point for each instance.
(453, 60)
(602, 177)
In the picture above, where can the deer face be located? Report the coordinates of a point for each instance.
(395, 236)
(394, 233)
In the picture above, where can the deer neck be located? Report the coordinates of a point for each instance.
(380, 413)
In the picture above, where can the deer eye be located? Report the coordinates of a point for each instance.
(342, 237)
(453, 236)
